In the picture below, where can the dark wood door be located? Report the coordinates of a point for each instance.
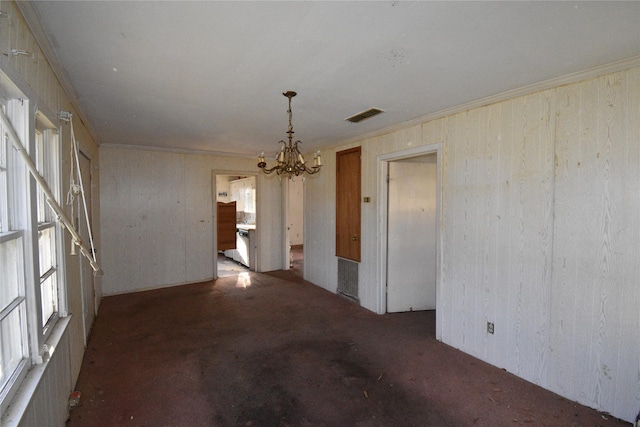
(348, 186)
(226, 226)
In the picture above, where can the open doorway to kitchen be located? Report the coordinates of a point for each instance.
(410, 211)
(235, 213)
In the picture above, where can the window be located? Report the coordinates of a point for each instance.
(46, 161)
(30, 245)
(14, 338)
(4, 214)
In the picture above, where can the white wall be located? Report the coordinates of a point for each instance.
(594, 308)
(540, 230)
(157, 217)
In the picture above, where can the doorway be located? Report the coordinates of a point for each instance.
(83, 224)
(410, 210)
(295, 224)
(238, 191)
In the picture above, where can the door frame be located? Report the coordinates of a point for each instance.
(383, 214)
(84, 264)
(286, 248)
(214, 209)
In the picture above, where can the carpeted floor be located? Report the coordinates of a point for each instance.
(272, 350)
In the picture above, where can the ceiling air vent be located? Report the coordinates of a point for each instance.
(364, 115)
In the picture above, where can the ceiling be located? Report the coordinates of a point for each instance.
(209, 75)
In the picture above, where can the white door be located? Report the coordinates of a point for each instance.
(411, 229)
(86, 272)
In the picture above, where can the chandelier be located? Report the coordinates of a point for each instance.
(289, 160)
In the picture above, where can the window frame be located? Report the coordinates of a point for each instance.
(4, 178)
(20, 204)
(15, 229)
(47, 160)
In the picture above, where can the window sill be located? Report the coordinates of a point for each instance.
(23, 397)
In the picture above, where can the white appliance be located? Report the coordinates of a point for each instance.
(243, 246)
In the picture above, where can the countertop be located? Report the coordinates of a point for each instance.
(246, 226)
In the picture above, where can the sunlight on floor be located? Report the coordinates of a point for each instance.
(244, 280)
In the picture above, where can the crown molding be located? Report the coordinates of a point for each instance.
(177, 150)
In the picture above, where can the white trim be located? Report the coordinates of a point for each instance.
(180, 151)
(214, 210)
(47, 274)
(286, 247)
(11, 235)
(214, 221)
(383, 167)
(61, 260)
(29, 385)
(4, 312)
(13, 385)
(45, 225)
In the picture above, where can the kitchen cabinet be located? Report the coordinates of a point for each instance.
(243, 192)
(222, 188)
(235, 188)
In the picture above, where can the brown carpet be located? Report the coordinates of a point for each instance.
(272, 350)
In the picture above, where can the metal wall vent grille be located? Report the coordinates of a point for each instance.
(364, 115)
(348, 279)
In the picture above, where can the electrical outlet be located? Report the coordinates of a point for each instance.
(490, 327)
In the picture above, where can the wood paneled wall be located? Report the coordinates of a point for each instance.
(50, 404)
(36, 79)
(497, 236)
(540, 234)
(157, 217)
(595, 293)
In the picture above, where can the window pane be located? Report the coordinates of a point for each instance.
(49, 294)
(13, 343)
(47, 249)
(40, 165)
(10, 270)
(4, 189)
(48, 274)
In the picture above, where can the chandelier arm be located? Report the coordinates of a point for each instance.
(313, 170)
(266, 170)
